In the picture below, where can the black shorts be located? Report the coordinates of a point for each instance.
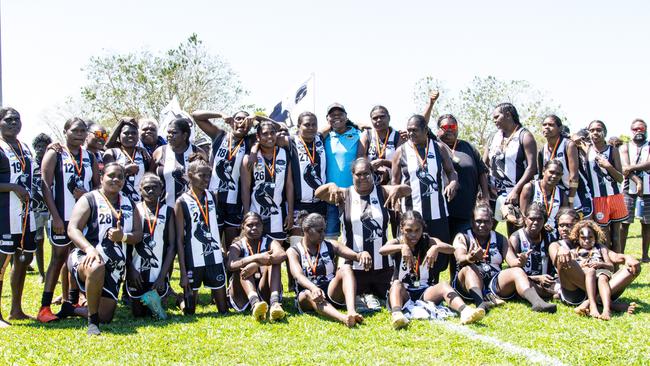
(136, 293)
(10, 243)
(573, 297)
(324, 286)
(110, 289)
(376, 281)
(439, 229)
(310, 207)
(212, 277)
(56, 239)
(486, 272)
(229, 214)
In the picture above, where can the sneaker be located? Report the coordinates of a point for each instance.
(67, 309)
(471, 315)
(372, 302)
(93, 330)
(259, 310)
(360, 304)
(398, 320)
(45, 315)
(152, 300)
(277, 312)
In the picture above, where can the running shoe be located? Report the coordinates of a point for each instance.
(471, 315)
(45, 315)
(398, 320)
(259, 310)
(360, 304)
(277, 312)
(93, 330)
(372, 302)
(152, 301)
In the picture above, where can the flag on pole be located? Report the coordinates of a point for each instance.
(296, 101)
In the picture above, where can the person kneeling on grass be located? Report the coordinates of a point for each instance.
(198, 240)
(319, 284)
(416, 266)
(101, 223)
(255, 261)
(150, 261)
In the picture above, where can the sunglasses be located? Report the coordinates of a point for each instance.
(451, 127)
(101, 135)
(638, 129)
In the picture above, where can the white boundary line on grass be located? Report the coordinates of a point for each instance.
(529, 354)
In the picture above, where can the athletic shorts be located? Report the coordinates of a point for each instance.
(609, 209)
(414, 295)
(439, 229)
(630, 203)
(573, 297)
(376, 281)
(136, 293)
(324, 286)
(57, 240)
(229, 214)
(41, 219)
(486, 272)
(333, 222)
(310, 207)
(111, 288)
(10, 243)
(212, 277)
(496, 291)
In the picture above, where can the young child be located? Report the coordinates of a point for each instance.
(198, 240)
(595, 262)
(416, 270)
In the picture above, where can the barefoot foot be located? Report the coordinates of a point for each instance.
(20, 316)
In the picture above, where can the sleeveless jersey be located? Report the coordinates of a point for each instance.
(267, 197)
(375, 147)
(365, 224)
(202, 240)
(174, 172)
(537, 263)
(96, 232)
(601, 183)
(131, 183)
(425, 180)
(493, 258)
(263, 246)
(507, 165)
(325, 263)
(558, 153)
(226, 167)
(589, 256)
(418, 276)
(551, 207)
(307, 175)
(67, 178)
(638, 154)
(148, 255)
(17, 167)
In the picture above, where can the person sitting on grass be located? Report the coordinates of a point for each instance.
(198, 240)
(101, 223)
(592, 256)
(150, 261)
(320, 286)
(255, 261)
(572, 275)
(415, 254)
(480, 253)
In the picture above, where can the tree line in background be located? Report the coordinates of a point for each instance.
(141, 83)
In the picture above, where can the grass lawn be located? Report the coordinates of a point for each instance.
(503, 337)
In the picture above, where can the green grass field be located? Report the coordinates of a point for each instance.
(511, 334)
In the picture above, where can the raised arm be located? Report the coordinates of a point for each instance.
(433, 96)
(202, 119)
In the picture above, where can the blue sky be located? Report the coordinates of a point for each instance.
(591, 57)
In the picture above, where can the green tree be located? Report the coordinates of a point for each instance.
(142, 83)
(473, 105)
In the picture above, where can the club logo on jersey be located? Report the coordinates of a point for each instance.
(130, 191)
(264, 196)
(145, 251)
(74, 182)
(427, 180)
(223, 171)
(311, 176)
(37, 202)
(371, 225)
(179, 177)
(499, 178)
(204, 236)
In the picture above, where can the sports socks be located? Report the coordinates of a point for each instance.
(538, 304)
(46, 299)
(253, 299)
(275, 297)
(93, 319)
